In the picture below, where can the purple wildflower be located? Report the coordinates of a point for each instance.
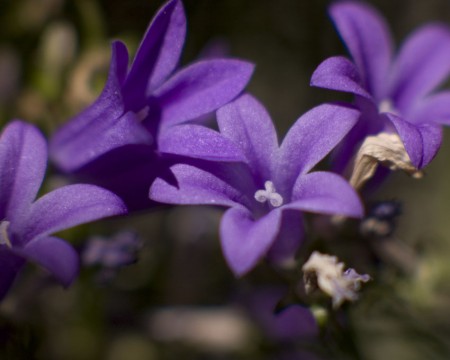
(291, 322)
(118, 141)
(116, 252)
(268, 190)
(25, 226)
(394, 94)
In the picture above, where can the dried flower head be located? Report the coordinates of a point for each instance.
(326, 273)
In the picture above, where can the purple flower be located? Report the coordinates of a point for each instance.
(118, 141)
(118, 251)
(26, 226)
(292, 322)
(267, 192)
(394, 93)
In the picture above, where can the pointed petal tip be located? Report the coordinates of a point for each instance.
(366, 36)
(55, 255)
(23, 161)
(245, 241)
(200, 88)
(340, 74)
(70, 206)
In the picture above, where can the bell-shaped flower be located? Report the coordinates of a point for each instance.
(394, 93)
(116, 141)
(268, 191)
(26, 225)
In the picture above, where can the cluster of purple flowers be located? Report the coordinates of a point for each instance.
(144, 142)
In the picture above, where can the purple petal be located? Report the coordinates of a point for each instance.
(110, 100)
(69, 206)
(55, 255)
(10, 264)
(158, 53)
(339, 73)
(368, 40)
(325, 193)
(290, 237)
(370, 122)
(195, 187)
(310, 139)
(199, 142)
(432, 109)
(246, 122)
(137, 166)
(101, 127)
(23, 159)
(103, 135)
(432, 139)
(245, 241)
(292, 323)
(411, 138)
(201, 88)
(422, 64)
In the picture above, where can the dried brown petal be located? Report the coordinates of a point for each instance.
(383, 148)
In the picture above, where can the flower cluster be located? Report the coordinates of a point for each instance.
(395, 94)
(142, 143)
(125, 139)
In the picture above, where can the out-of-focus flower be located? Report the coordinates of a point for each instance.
(116, 252)
(394, 94)
(381, 218)
(119, 141)
(268, 191)
(110, 255)
(26, 225)
(326, 273)
(291, 322)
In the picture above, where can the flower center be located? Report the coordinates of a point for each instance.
(143, 113)
(269, 194)
(4, 238)
(387, 106)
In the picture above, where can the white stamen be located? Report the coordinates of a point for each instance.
(4, 238)
(269, 194)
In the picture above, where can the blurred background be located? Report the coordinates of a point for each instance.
(177, 299)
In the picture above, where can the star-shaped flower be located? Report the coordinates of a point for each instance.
(394, 93)
(25, 224)
(267, 192)
(118, 141)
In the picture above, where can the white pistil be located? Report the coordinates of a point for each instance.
(269, 194)
(4, 238)
(143, 113)
(387, 106)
